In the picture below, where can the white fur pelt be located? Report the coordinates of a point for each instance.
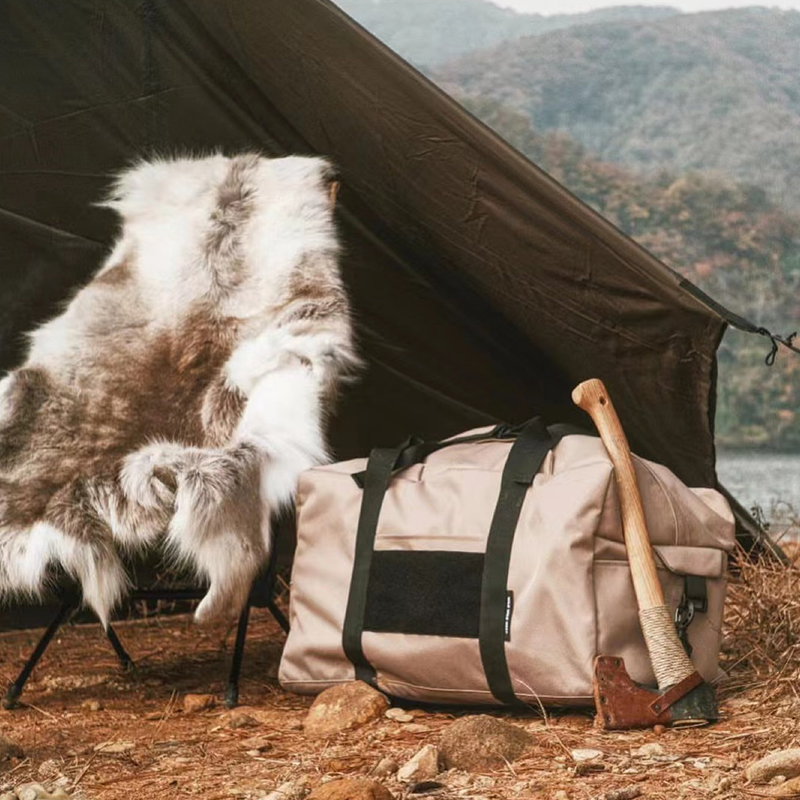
(184, 388)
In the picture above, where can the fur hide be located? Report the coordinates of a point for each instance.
(183, 390)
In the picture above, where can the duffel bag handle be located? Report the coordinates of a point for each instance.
(415, 450)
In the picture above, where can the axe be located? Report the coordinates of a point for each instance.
(682, 696)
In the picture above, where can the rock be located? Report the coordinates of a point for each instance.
(560, 795)
(625, 793)
(192, 703)
(482, 743)
(342, 707)
(9, 750)
(385, 767)
(30, 791)
(8, 796)
(422, 767)
(241, 719)
(91, 705)
(399, 715)
(48, 768)
(415, 727)
(586, 754)
(351, 789)
(35, 791)
(649, 750)
(114, 747)
(291, 790)
(790, 788)
(784, 762)
(257, 743)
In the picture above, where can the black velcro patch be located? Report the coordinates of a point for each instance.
(428, 592)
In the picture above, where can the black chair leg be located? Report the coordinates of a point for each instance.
(280, 617)
(124, 659)
(232, 689)
(15, 689)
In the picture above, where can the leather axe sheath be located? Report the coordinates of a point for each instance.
(683, 695)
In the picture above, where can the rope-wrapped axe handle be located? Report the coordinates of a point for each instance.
(670, 662)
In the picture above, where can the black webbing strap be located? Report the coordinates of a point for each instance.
(415, 450)
(379, 470)
(696, 590)
(524, 460)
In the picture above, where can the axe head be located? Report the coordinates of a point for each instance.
(622, 704)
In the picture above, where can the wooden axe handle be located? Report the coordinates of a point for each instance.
(670, 662)
(593, 398)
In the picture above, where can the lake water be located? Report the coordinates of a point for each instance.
(769, 480)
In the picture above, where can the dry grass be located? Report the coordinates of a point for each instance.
(761, 643)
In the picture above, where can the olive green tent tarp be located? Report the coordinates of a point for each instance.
(483, 290)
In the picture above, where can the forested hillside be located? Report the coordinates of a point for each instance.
(428, 32)
(730, 239)
(718, 91)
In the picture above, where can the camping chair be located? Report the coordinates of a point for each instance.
(262, 595)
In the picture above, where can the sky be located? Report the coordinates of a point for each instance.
(575, 6)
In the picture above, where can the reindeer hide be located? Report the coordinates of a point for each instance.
(183, 390)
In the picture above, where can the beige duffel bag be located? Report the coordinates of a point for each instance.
(491, 568)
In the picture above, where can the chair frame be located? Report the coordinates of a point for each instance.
(71, 603)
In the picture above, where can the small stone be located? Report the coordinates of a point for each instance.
(784, 762)
(114, 747)
(649, 750)
(789, 788)
(625, 793)
(415, 727)
(240, 719)
(91, 705)
(482, 743)
(589, 767)
(560, 795)
(291, 790)
(30, 791)
(257, 743)
(422, 767)
(9, 750)
(658, 730)
(399, 715)
(342, 707)
(192, 703)
(385, 767)
(8, 796)
(35, 791)
(48, 768)
(586, 754)
(724, 784)
(351, 789)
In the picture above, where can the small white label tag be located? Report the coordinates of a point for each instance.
(509, 612)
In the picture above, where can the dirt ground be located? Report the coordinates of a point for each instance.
(102, 734)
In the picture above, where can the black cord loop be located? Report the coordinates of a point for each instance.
(786, 341)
